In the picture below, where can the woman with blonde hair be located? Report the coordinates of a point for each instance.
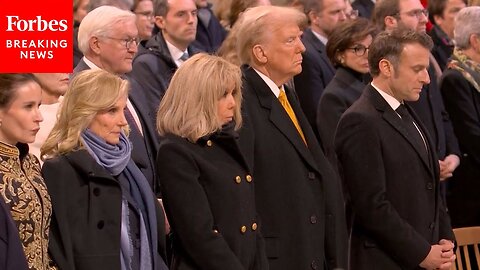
(205, 180)
(105, 213)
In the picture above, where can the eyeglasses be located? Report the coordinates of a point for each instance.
(352, 15)
(127, 41)
(359, 50)
(416, 13)
(148, 14)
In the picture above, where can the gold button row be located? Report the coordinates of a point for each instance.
(238, 179)
(243, 229)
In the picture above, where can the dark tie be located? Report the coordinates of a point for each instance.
(184, 57)
(412, 130)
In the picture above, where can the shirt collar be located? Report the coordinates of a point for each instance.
(393, 102)
(175, 53)
(320, 37)
(269, 82)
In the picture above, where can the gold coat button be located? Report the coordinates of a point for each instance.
(209, 143)
(249, 178)
(238, 179)
(254, 226)
(243, 229)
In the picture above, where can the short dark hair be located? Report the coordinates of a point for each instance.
(9, 83)
(389, 45)
(346, 34)
(436, 7)
(383, 9)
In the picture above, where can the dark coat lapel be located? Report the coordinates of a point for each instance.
(310, 37)
(280, 118)
(394, 120)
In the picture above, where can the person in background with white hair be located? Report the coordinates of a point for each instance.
(460, 86)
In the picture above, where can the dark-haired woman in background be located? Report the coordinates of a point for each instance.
(347, 49)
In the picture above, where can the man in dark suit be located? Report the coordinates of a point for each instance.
(159, 57)
(392, 14)
(317, 70)
(389, 164)
(113, 52)
(210, 33)
(298, 195)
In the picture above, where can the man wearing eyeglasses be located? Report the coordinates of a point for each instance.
(108, 39)
(143, 9)
(159, 57)
(390, 14)
(317, 70)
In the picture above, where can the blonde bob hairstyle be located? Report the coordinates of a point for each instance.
(189, 107)
(90, 92)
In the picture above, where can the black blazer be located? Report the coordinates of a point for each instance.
(12, 256)
(394, 192)
(462, 102)
(144, 147)
(209, 38)
(87, 208)
(299, 197)
(208, 194)
(344, 89)
(317, 72)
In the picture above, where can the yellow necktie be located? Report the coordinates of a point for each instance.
(282, 97)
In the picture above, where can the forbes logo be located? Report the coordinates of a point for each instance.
(14, 23)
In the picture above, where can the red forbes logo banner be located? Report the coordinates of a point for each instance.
(36, 36)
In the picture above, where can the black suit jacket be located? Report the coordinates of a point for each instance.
(144, 147)
(345, 88)
(299, 197)
(317, 72)
(398, 211)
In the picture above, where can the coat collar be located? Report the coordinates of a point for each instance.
(84, 162)
(279, 117)
(394, 120)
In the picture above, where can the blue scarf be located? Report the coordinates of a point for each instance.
(116, 160)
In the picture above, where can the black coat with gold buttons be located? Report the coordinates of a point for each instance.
(208, 194)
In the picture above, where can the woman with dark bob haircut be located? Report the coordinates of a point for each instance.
(347, 49)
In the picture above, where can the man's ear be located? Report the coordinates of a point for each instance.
(259, 54)
(94, 46)
(385, 67)
(390, 22)
(160, 22)
(313, 17)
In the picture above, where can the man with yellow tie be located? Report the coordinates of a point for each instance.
(298, 195)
